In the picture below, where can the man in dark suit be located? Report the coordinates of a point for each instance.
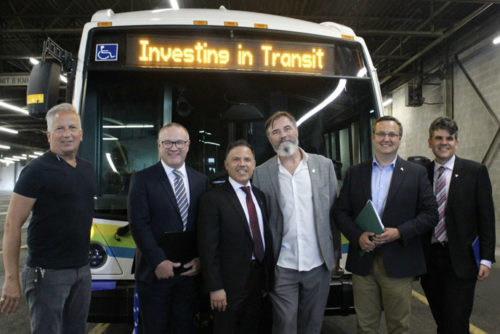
(385, 265)
(235, 245)
(164, 198)
(463, 193)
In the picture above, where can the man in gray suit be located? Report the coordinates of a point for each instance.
(300, 189)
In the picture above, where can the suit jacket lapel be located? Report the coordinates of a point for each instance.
(315, 179)
(456, 177)
(236, 204)
(366, 181)
(397, 178)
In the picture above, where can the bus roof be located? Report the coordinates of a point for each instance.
(221, 17)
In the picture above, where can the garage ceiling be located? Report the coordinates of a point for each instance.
(398, 34)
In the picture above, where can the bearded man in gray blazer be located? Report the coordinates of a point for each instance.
(300, 190)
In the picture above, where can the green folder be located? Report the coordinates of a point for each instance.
(369, 221)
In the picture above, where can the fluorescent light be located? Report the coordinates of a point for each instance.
(362, 72)
(110, 138)
(13, 107)
(4, 129)
(7, 162)
(32, 156)
(130, 126)
(174, 4)
(209, 143)
(327, 101)
(12, 159)
(110, 162)
(387, 102)
(63, 78)
(19, 157)
(496, 40)
(4, 147)
(38, 152)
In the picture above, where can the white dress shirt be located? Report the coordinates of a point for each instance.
(242, 197)
(299, 246)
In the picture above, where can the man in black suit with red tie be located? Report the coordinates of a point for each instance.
(164, 198)
(235, 245)
(463, 192)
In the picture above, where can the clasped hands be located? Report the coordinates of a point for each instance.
(165, 269)
(369, 240)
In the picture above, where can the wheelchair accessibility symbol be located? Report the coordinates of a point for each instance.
(106, 52)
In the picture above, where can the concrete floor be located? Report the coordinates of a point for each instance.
(485, 317)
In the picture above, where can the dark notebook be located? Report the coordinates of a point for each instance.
(179, 247)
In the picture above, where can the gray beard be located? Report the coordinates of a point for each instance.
(287, 149)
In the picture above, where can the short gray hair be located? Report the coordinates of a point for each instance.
(56, 110)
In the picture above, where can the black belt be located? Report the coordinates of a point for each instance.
(443, 244)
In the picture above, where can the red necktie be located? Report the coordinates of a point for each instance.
(258, 247)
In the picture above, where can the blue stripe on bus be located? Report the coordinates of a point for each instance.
(124, 252)
(345, 248)
(103, 285)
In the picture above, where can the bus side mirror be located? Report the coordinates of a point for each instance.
(43, 88)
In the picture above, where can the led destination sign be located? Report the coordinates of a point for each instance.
(249, 55)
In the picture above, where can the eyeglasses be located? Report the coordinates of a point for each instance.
(391, 135)
(180, 144)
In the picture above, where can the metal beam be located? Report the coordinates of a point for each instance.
(430, 46)
(411, 33)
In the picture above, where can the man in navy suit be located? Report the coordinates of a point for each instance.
(385, 265)
(466, 213)
(164, 198)
(235, 245)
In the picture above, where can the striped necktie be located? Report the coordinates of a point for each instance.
(181, 197)
(440, 193)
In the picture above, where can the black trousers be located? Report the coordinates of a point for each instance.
(168, 306)
(243, 314)
(450, 297)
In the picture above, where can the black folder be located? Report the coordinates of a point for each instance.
(179, 247)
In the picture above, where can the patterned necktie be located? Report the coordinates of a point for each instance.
(180, 195)
(258, 246)
(440, 193)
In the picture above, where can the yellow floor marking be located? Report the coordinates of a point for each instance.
(99, 328)
(473, 329)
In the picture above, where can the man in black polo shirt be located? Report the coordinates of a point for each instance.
(59, 188)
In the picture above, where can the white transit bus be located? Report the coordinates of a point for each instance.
(220, 73)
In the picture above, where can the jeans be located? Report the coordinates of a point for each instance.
(58, 299)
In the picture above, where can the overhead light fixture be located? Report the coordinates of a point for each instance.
(324, 103)
(130, 126)
(4, 129)
(386, 102)
(32, 156)
(12, 159)
(110, 162)
(7, 162)
(37, 153)
(496, 40)
(13, 107)
(4, 147)
(362, 72)
(174, 4)
(20, 157)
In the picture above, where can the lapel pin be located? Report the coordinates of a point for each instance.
(314, 171)
(456, 175)
(402, 169)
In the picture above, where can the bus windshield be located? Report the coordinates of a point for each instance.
(123, 110)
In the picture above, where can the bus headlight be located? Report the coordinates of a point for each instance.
(97, 255)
